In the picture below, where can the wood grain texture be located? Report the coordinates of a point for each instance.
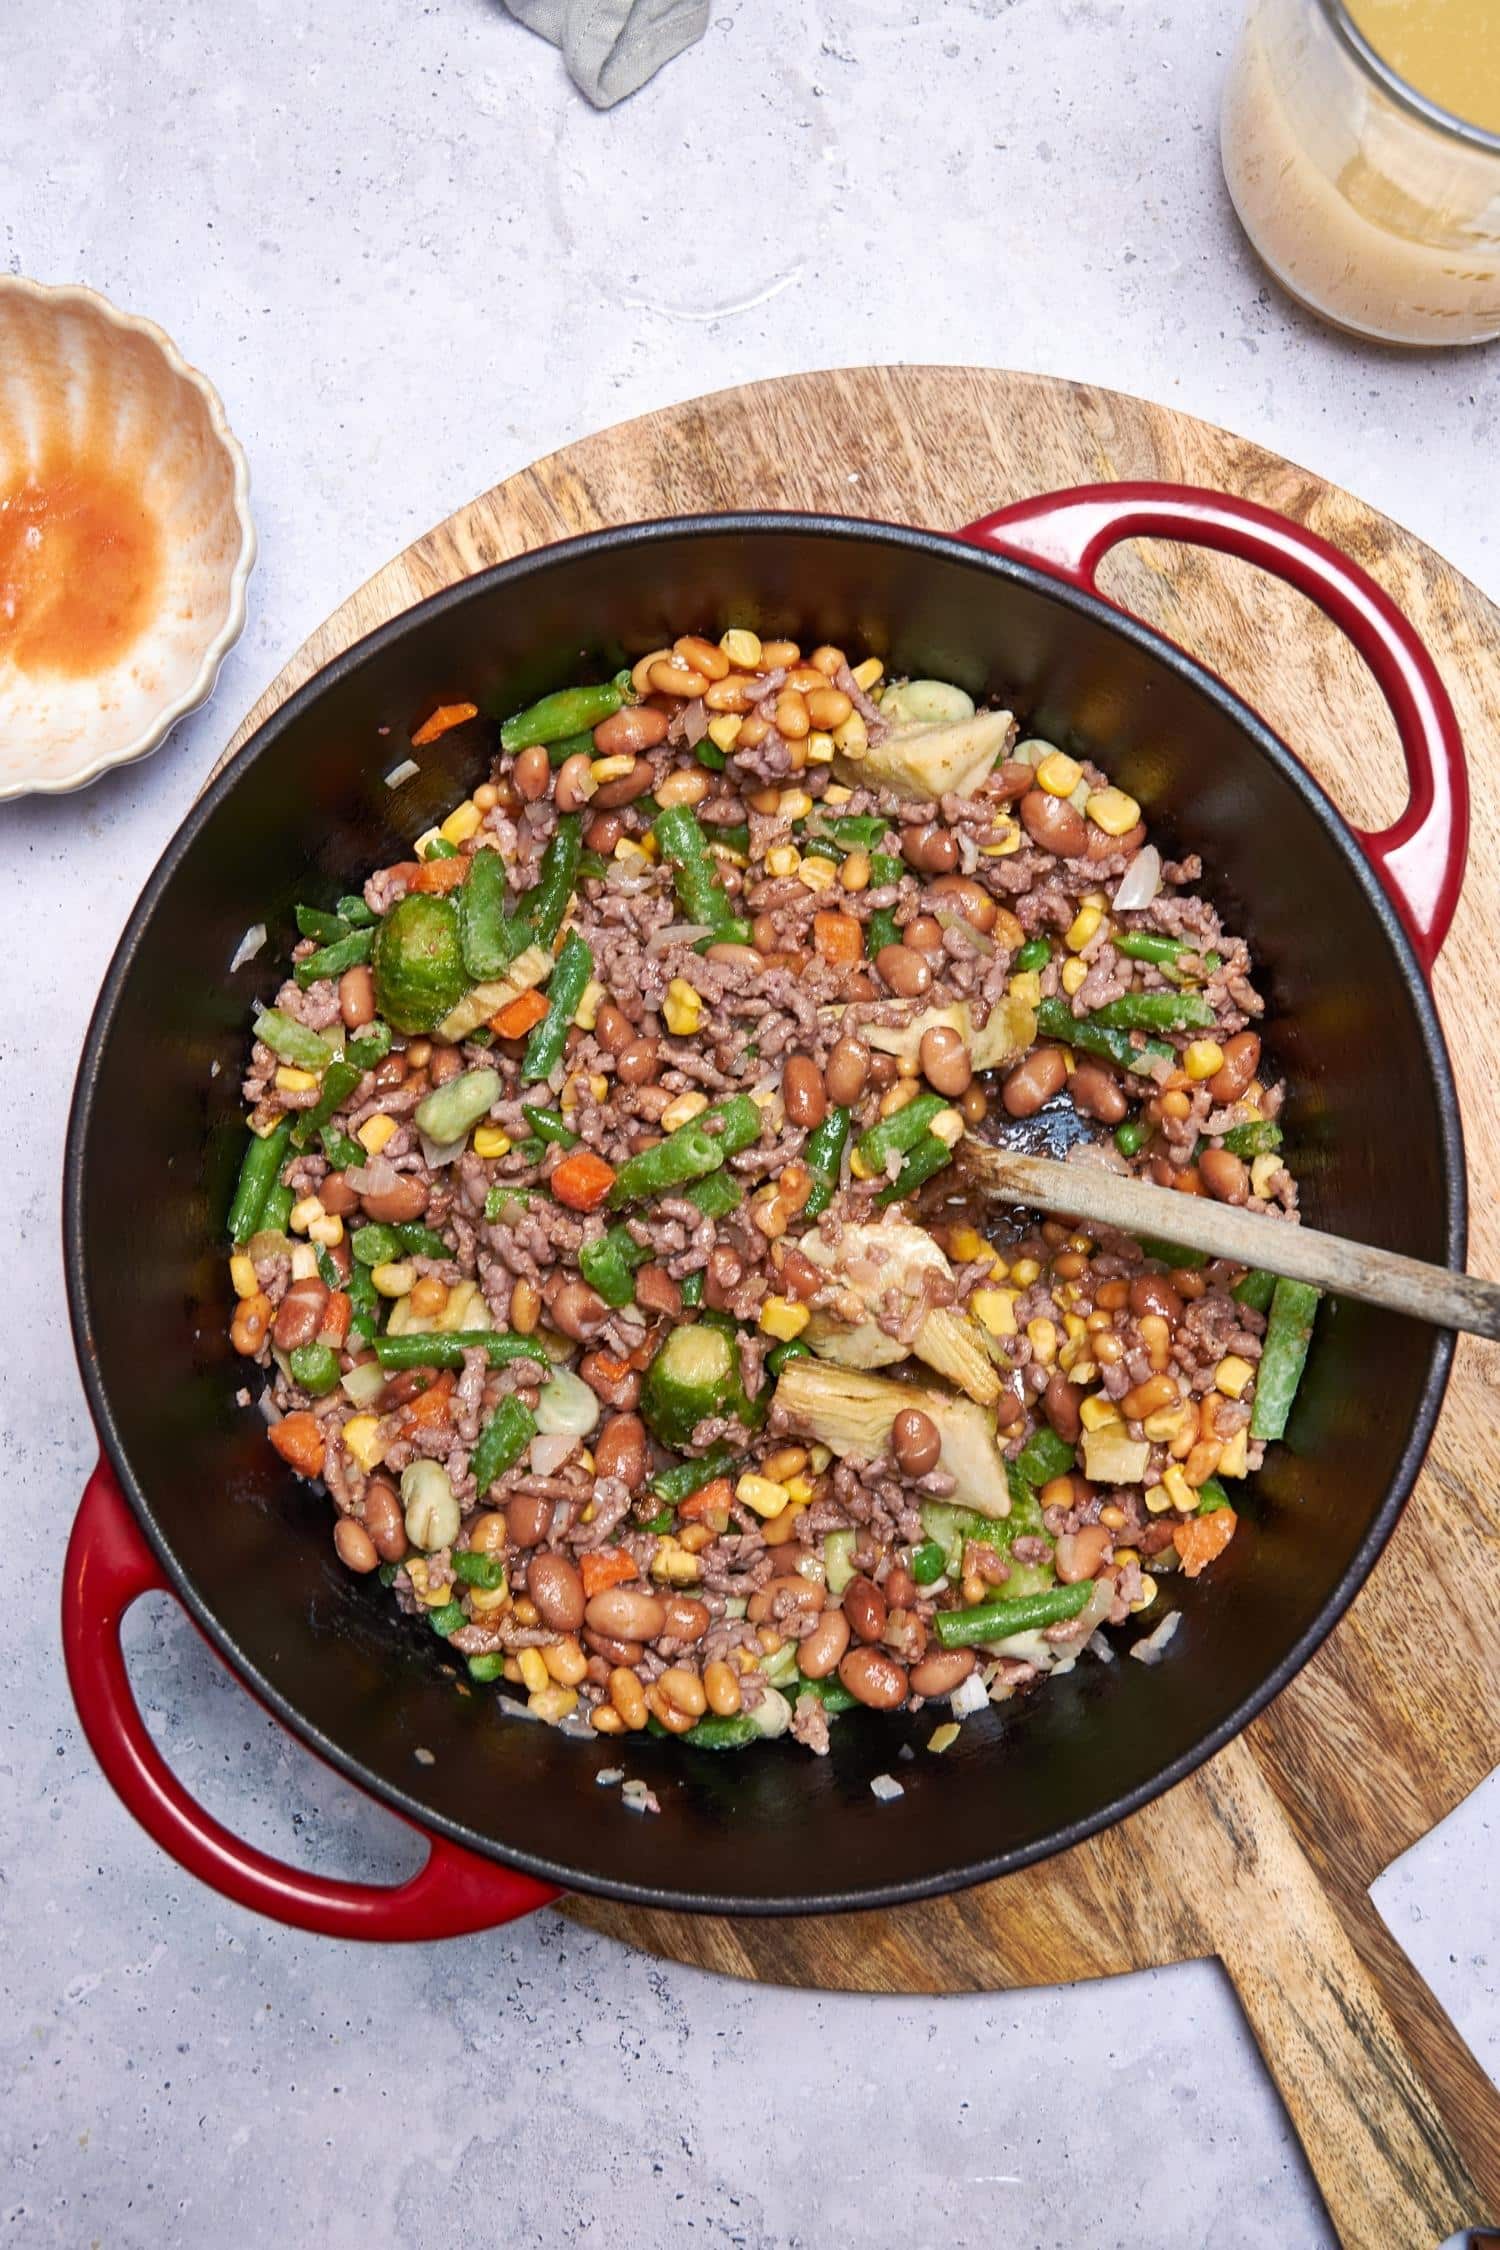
(1251, 1238)
(1266, 1856)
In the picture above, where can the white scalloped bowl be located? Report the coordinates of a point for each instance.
(89, 394)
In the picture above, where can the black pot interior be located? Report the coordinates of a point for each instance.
(158, 1132)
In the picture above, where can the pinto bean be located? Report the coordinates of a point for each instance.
(1054, 824)
(532, 773)
(620, 1450)
(904, 970)
(354, 1546)
(603, 831)
(397, 1205)
(1153, 1293)
(848, 1068)
(942, 1671)
(611, 1649)
(602, 1374)
(1231, 1080)
(554, 1585)
(865, 1607)
(924, 932)
(960, 894)
(625, 787)
(916, 1441)
(931, 849)
(528, 1519)
(626, 1613)
(1079, 1553)
(574, 784)
(791, 1594)
(803, 1094)
(1225, 1175)
(299, 1316)
(945, 1060)
(687, 1618)
(383, 1520)
(638, 1063)
(577, 1311)
(1012, 779)
(337, 1197)
(613, 1028)
(899, 1588)
(1096, 1091)
(873, 1677)
(357, 996)
(1060, 1405)
(824, 1645)
(656, 1291)
(1034, 1081)
(637, 727)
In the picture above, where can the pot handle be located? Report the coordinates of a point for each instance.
(109, 1565)
(1420, 857)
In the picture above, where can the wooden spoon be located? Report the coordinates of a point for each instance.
(1250, 1238)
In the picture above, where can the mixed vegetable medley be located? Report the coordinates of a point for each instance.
(604, 1235)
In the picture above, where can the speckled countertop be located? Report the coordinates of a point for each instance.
(413, 259)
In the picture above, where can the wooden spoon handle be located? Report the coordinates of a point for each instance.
(1251, 1238)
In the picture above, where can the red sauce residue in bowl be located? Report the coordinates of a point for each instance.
(80, 566)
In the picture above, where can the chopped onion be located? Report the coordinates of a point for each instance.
(981, 941)
(1141, 880)
(363, 1384)
(629, 874)
(377, 1177)
(268, 1409)
(676, 933)
(249, 945)
(549, 1450)
(607, 1776)
(439, 1153)
(403, 772)
(1097, 1644)
(968, 1696)
(694, 722)
(885, 1787)
(1153, 1647)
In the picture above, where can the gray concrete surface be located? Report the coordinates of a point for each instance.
(412, 258)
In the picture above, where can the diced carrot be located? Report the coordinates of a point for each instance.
(430, 1407)
(838, 938)
(446, 715)
(336, 1314)
(709, 1500)
(298, 1438)
(582, 1180)
(608, 1566)
(439, 874)
(1202, 1538)
(519, 1016)
(611, 1370)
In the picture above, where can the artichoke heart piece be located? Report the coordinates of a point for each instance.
(927, 759)
(1008, 1030)
(852, 1413)
(530, 968)
(873, 1262)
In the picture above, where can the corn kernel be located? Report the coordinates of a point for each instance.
(1084, 925)
(793, 804)
(682, 1008)
(685, 1107)
(630, 847)
(463, 822)
(1169, 1423)
(820, 748)
(1234, 1461)
(1007, 839)
(303, 1214)
(1158, 1499)
(490, 1141)
(416, 1571)
(1113, 811)
(819, 1458)
(966, 1244)
(1058, 774)
(1073, 1324)
(361, 1434)
(1042, 1336)
(1146, 1596)
(613, 768)
(724, 729)
(586, 1014)
(1263, 1170)
(943, 1738)
(798, 1490)
(328, 1229)
(599, 1086)
(675, 1564)
(533, 1671)
(1232, 1374)
(1082, 1370)
(375, 1132)
(289, 1081)
(836, 794)
(1184, 1498)
(1074, 973)
(1024, 1272)
(859, 1167)
(242, 1275)
(485, 1600)
(1202, 1058)
(948, 1127)
(741, 647)
(1098, 1413)
(1026, 987)
(869, 674)
(995, 1310)
(1124, 1555)
(783, 859)
(817, 873)
(852, 736)
(396, 1278)
(760, 1493)
(780, 1318)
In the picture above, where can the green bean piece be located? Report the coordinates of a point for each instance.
(881, 930)
(1034, 954)
(1056, 1020)
(333, 960)
(1165, 952)
(342, 1150)
(502, 1441)
(438, 847)
(735, 838)
(446, 1620)
(313, 922)
(579, 745)
(277, 1210)
(1259, 1138)
(1294, 1306)
(717, 1194)
(684, 847)
(354, 911)
(692, 1290)
(363, 1294)
(709, 754)
(684, 1478)
(549, 1125)
(822, 1153)
(1154, 1011)
(999, 1620)
(661, 1523)
(715, 1733)
(929, 1562)
(1212, 1497)
(446, 1114)
(1044, 1456)
(339, 1082)
(489, 1666)
(1172, 1253)
(315, 1367)
(608, 1265)
(1255, 1289)
(566, 987)
(489, 937)
(292, 1041)
(898, 1132)
(699, 1147)
(397, 1353)
(592, 867)
(574, 710)
(830, 1692)
(885, 869)
(258, 1176)
(545, 906)
(1132, 1136)
(791, 1348)
(505, 1203)
(328, 1272)
(371, 1047)
(418, 1241)
(920, 1165)
(531, 1150)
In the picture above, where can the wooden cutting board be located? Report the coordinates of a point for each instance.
(1265, 1857)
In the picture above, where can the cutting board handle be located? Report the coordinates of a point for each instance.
(1399, 2170)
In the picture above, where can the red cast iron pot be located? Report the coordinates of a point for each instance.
(190, 1496)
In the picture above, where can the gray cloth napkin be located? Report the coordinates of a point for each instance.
(613, 46)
